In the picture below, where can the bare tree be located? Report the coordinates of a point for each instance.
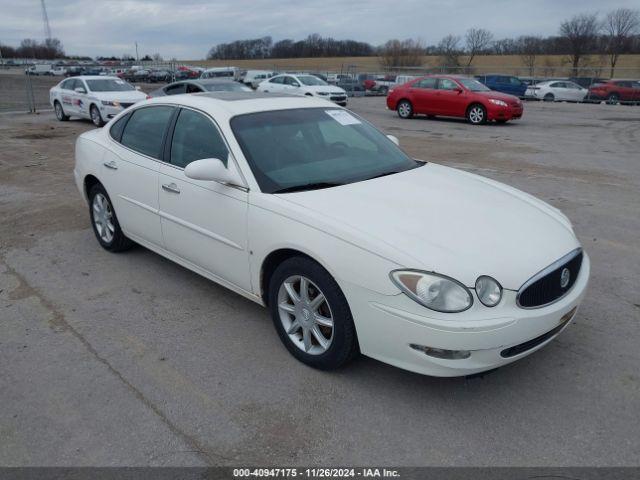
(406, 53)
(449, 51)
(619, 27)
(478, 40)
(529, 48)
(579, 34)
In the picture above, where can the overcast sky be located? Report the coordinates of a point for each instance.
(186, 29)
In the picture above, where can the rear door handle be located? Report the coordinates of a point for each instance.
(112, 165)
(170, 187)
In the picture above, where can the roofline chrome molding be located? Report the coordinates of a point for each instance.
(543, 273)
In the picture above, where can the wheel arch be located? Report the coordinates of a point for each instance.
(271, 262)
(89, 182)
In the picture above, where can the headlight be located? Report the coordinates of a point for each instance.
(495, 101)
(489, 291)
(434, 291)
(110, 104)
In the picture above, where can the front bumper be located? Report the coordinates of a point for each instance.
(388, 324)
(110, 111)
(510, 112)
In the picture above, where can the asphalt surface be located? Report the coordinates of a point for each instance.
(130, 359)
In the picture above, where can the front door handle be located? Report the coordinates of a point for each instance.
(170, 187)
(112, 165)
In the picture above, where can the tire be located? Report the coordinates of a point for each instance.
(96, 118)
(549, 97)
(501, 121)
(384, 90)
(613, 99)
(405, 109)
(60, 115)
(116, 241)
(477, 114)
(296, 322)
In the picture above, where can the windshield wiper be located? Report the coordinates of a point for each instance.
(308, 186)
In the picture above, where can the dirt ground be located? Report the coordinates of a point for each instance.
(132, 360)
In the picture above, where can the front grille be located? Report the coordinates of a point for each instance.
(548, 285)
(339, 99)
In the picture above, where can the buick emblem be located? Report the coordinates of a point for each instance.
(564, 278)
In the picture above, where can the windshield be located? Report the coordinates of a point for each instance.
(109, 85)
(473, 85)
(226, 87)
(311, 80)
(301, 149)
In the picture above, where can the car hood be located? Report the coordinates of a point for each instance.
(440, 219)
(500, 96)
(132, 96)
(324, 88)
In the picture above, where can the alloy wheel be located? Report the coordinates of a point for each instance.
(404, 109)
(59, 113)
(95, 116)
(103, 218)
(305, 315)
(476, 114)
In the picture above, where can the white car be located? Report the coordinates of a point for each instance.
(253, 78)
(307, 209)
(97, 98)
(557, 91)
(304, 84)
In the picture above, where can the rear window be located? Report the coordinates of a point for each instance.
(144, 132)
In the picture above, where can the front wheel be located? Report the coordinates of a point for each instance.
(311, 314)
(613, 99)
(104, 221)
(405, 109)
(477, 114)
(96, 118)
(60, 115)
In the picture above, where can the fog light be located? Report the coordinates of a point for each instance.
(442, 353)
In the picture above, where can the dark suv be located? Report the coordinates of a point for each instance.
(504, 83)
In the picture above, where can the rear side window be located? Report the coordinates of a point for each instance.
(277, 80)
(195, 137)
(67, 84)
(144, 132)
(118, 127)
(425, 83)
(176, 89)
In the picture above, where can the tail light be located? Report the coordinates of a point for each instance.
(148, 97)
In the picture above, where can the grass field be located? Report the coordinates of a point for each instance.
(546, 65)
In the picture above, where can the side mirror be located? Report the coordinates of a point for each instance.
(394, 139)
(295, 85)
(458, 89)
(212, 169)
(80, 90)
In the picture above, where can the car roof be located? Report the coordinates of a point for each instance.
(97, 77)
(230, 104)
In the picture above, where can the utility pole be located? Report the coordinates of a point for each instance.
(45, 20)
(137, 57)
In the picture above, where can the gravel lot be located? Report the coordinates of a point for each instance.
(132, 360)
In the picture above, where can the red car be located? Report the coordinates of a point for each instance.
(616, 91)
(453, 96)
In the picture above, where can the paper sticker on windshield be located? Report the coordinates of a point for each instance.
(343, 117)
(119, 82)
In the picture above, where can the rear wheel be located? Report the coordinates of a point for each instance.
(613, 99)
(105, 222)
(311, 314)
(60, 115)
(477, 114)
(96, 118)
(549, 97)
(405, 109)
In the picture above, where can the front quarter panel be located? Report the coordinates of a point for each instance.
(272, 228)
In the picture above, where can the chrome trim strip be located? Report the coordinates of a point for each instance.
(200, 230)
(546, 271)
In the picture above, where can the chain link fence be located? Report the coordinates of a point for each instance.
(30, 93)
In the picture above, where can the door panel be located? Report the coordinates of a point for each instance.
(423, 96)
(449, 101)
(205, 223)
(132, 183)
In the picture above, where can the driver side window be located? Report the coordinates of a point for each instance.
(446, 84)
(195, 137)
(291, 81)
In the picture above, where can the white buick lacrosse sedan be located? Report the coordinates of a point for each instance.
(353, 246)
